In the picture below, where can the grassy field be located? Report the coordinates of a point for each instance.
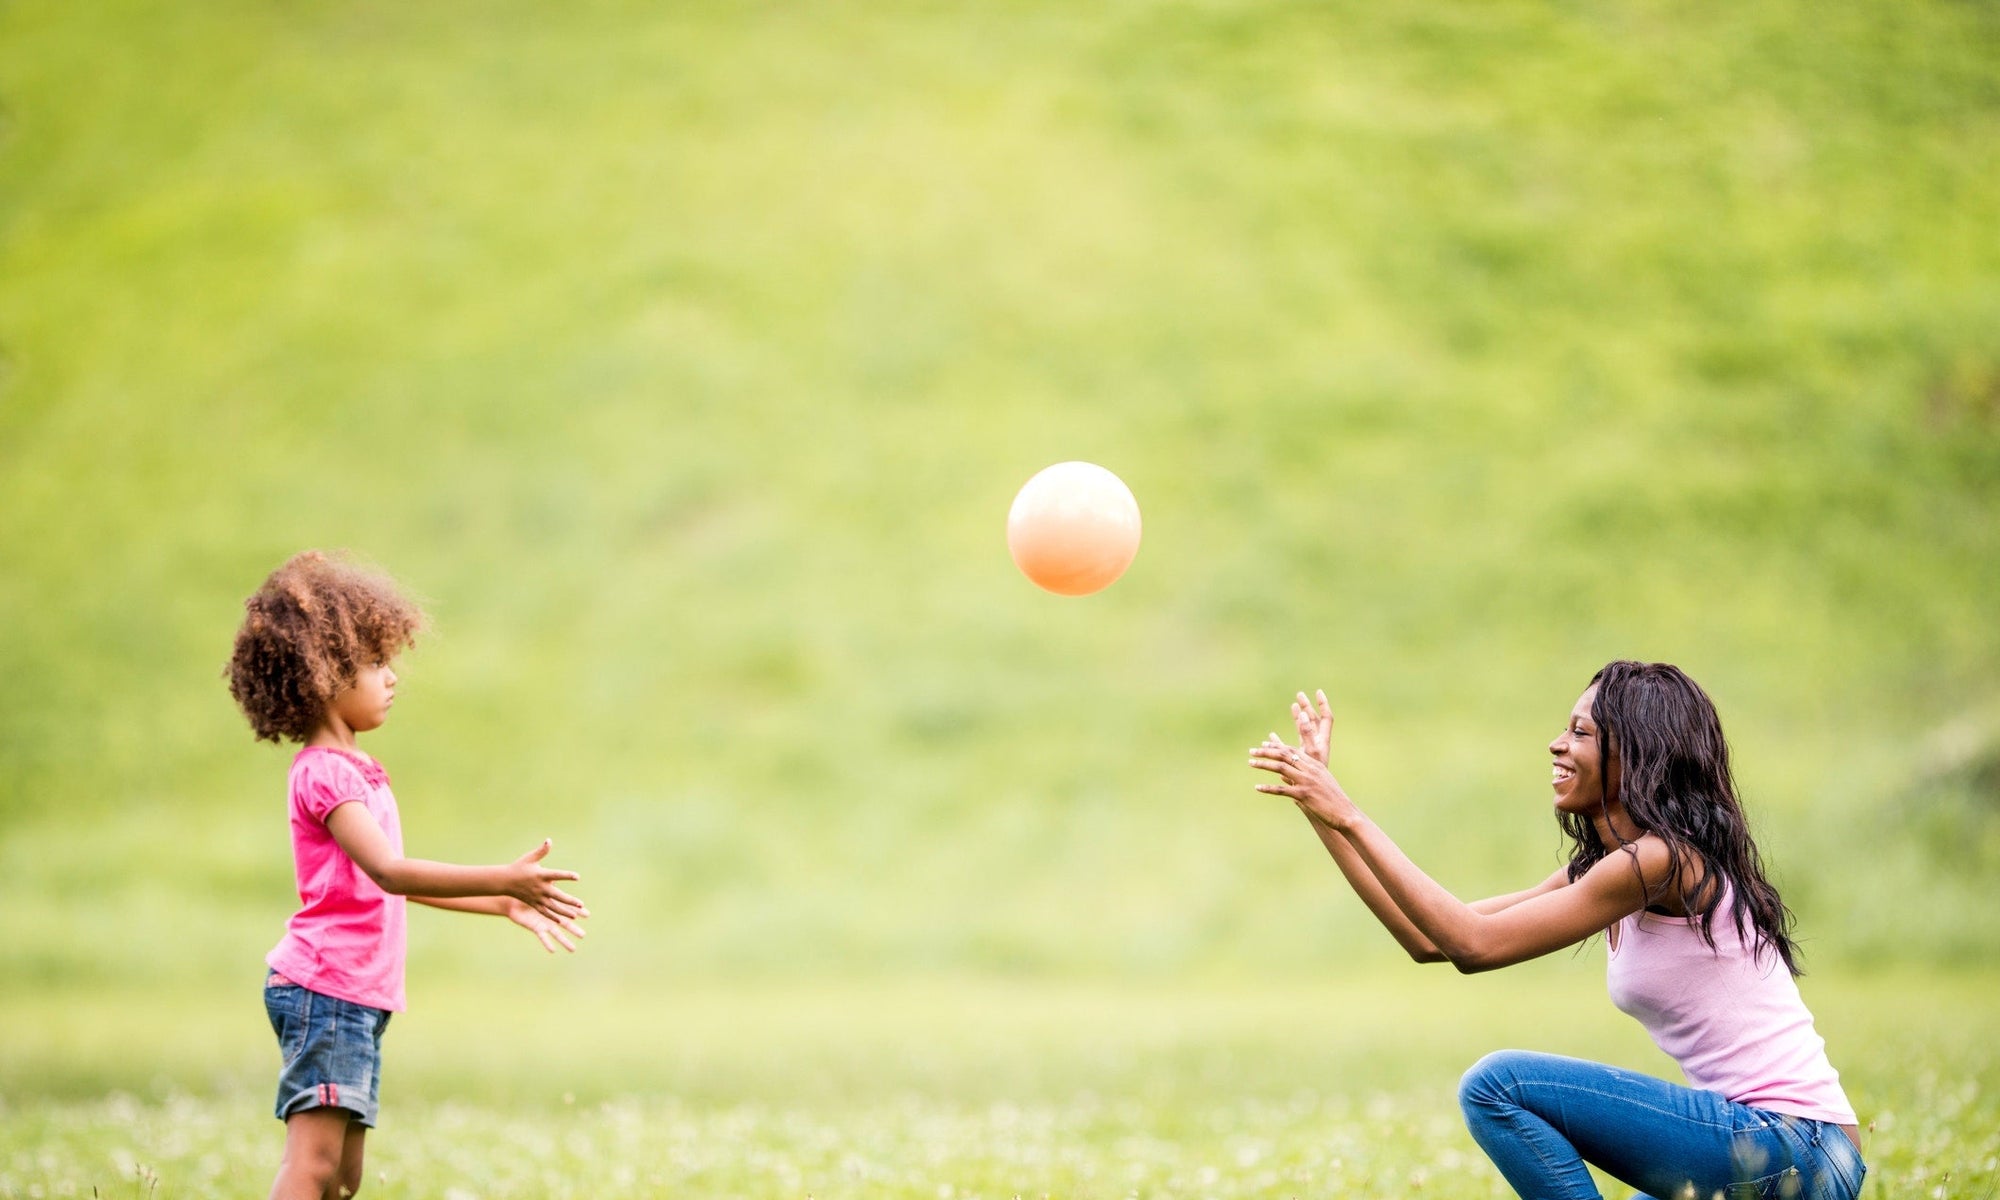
(943, 1088)
(685, 360)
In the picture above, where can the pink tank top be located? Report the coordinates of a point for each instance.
(347, 939)
(1734, 1021)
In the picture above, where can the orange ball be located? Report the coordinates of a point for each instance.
(1073, 529)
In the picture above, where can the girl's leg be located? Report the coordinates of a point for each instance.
(1541, 1117)
(315, 1141)
(348, 1181)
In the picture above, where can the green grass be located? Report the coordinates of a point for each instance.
(960, 1087)
(685, 360)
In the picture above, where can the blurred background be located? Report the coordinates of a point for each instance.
(685, 359)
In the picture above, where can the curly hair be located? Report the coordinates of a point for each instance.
(1663, 735)
(306, 633)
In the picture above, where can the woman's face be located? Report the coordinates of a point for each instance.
(1578, 754)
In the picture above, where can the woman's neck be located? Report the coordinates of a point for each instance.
(1614, 826)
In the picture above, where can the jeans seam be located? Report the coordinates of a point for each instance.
(336, 1061)
(1626, 1099)
(1548, 1167)
(1844, 1163)
(303, 1034)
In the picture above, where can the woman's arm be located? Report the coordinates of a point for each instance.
(1477, 941)
(523, 879)
(1472, 940)
(1365, 886)
(1362, 879)
(1315, 726)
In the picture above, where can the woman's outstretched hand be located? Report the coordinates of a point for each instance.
(1302, 769)
(1315, 724)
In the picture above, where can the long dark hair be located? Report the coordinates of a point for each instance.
(1659, 731)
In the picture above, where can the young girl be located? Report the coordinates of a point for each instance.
(312, 665)
(1700, 952)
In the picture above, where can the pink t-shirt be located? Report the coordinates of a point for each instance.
(1734, 1021)
(348, 937)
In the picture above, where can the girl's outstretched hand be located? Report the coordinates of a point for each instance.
(535, 886)
(1315, 724)
(1306, 781)
(547, 930)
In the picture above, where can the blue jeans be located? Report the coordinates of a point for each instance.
(1541, 1117)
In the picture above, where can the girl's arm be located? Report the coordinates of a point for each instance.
(491, 906)
(1315, 725)
(548, 931)
(522, 879)
(1472, 940)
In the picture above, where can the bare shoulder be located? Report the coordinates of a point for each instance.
(1671, 883)
(1639, 868)
(1652, 855)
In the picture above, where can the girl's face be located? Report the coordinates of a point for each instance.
(1578, 753)
(364, 704)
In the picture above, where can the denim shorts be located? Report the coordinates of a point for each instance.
(332, 1050)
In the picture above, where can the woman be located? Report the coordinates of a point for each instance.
(1662, 862)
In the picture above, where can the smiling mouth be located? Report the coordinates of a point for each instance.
(1560, 774)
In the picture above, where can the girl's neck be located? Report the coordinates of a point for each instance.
(333, 734)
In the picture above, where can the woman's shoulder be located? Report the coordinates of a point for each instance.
(1675, 885)
(1652, 854)
(1637, 871)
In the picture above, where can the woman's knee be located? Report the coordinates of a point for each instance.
(1496, 1078)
